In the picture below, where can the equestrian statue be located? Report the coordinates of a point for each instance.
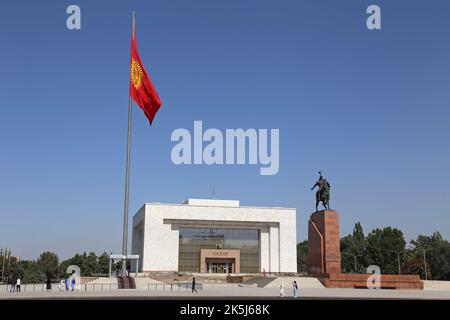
(323, 193)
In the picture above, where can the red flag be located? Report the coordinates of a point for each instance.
(141, 87)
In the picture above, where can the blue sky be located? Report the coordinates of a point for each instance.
(368, 108)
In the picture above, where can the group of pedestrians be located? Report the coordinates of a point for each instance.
(295, 289)
(15, 287)
(68, 284)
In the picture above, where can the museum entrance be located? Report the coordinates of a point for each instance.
(220, 267)
(220, 261)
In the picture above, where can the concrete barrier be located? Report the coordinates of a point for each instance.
(436, 285)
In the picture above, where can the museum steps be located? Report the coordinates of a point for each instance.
(260, 282)
(141, 282)
(205, 278)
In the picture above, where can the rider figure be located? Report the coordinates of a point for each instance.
(319, 183)
(323, 194)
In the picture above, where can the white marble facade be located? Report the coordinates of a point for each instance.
(156, 237)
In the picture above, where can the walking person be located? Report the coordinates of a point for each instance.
(282, 288)
(18, 285)
(73, 283)
(295, 289)
(193, 285)
(48, 285)
(61, 285)
(12, 284)
(67, 283)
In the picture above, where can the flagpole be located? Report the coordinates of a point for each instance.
(127, 183)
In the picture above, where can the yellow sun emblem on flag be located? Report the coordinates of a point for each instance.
(136, 74)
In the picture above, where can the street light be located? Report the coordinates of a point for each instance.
(354, 256)
(398, 257)
(423, 250)
(9, 263)
(4, 256)
(425, 260)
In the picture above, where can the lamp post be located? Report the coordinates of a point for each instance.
(9, 263)
(425, 260)
(3, 266)
(398, 258)
(354, 256)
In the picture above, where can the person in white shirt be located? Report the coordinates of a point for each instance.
(282, 288)
(18, 285)
(295, 289)
(61, 285)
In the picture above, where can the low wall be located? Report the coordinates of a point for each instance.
(436, 285)
(388, 281)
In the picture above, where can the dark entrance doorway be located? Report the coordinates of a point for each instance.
(220, 267)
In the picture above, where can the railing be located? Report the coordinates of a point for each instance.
(90, 287)
(42, 287)
(29, 287)
(100, 287)
(179, 286)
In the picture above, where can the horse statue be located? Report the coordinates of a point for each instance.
(323, 193)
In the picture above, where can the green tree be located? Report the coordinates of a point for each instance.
(380, 244)
(76, 260)
(347, 260)
(15, 270)
(32, 272)
(103, 263)
(354, 250)
(413, 264)
(302, 256)
(89, 265)
(437, 255)
(48, 263)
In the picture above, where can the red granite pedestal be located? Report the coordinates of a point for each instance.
(324, 258)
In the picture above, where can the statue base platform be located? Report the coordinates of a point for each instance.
(324, 258)
(359, 281)
(324, 247)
